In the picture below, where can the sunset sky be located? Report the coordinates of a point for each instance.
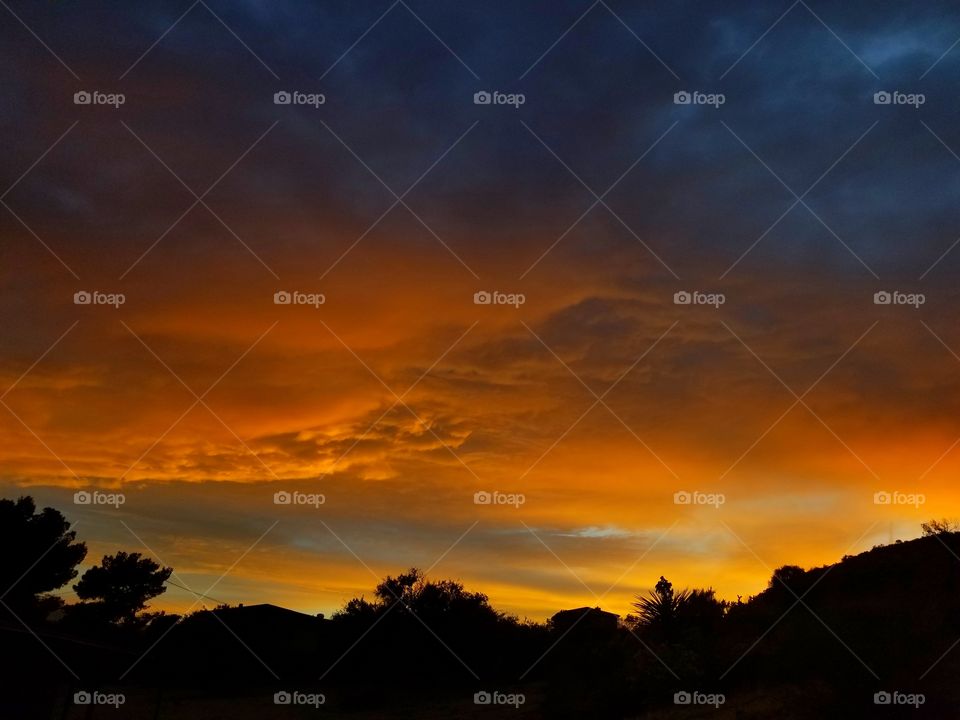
(398, 199)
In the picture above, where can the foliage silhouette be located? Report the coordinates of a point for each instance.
(807, 646)
(440, 629)
(660, 608)
(40, 555)
(939, 527)
(120, 586)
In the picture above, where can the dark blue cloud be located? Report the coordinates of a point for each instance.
(598, 98)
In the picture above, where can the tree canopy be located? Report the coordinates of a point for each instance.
(41, 554)
(120, 586)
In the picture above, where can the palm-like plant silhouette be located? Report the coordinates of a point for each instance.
(660, 608)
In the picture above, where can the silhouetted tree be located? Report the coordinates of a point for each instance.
(680, 632)
(412, 591)
(939, 527)
(121, 585)
(659, 608)
(406, 610)
(39, 554)
(701, 609)
(357, 608)
(403, 589)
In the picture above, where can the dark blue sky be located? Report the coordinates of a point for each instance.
(599, 97)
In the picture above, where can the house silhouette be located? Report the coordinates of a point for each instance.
(584, 619)
(242, 642)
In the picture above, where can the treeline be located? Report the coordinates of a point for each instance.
(816, 643)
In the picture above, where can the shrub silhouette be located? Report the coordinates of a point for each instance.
(939, 527)
(441, 629)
